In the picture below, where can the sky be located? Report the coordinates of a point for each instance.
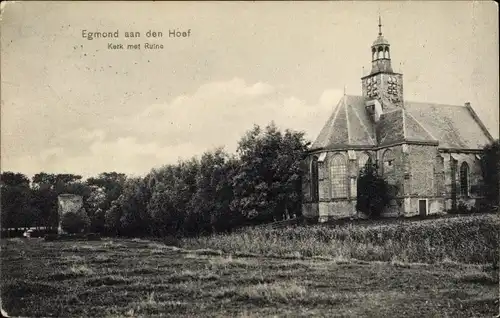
(73, 105)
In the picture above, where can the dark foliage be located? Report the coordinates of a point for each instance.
(490, 166)
(75, 222)
(215, 193)
(374, 193)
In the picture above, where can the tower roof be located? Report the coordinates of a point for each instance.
(380, 39)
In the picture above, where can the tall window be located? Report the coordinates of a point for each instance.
(363, 160)
(389, 160)
(314, 179)
(338, 176)
(464, 179)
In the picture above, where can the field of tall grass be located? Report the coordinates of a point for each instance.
(468, 239)
(143, 278)
(394, 268)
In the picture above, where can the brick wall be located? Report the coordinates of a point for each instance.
(310, 210)
(306, 179)
(419, 171)
(336, 210)
(422, 160)
(393, 174)
(452, 163)
(439, 176)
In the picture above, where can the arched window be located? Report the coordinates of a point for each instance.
(338, 176)
(380, 53)
(314, 180)
(374, 52)
(363, 160)
(386, 53)
(464, 179)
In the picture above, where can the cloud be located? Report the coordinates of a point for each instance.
(216, 114)
(85, 135)
(122, 155)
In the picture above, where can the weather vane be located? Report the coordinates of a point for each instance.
(379, 25)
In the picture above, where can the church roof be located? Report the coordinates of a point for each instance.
(449, 126)
(347, 127)
(400, 126)
(455, 126)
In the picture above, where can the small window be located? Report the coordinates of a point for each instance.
(388, 160)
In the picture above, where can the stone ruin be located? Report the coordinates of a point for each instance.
(68, 203)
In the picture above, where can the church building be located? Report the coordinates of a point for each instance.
(428, 152)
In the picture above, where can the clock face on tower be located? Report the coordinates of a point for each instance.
(372, 87)
(386, 87)
(392, 88)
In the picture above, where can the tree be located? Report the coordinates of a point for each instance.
(75, 222)
(268, 184)
(104, 190)
(16, 196)
(210, 204)
(165, 217)
(112, 218)
(490, 167)
(134, 219)
(94, 205)
(224, 218)
(13, 179)
(171, 206)
(373, 192)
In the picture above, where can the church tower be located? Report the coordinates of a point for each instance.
(382, 88)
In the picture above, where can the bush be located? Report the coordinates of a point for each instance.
(374, 193)
(463, 208)
(490, 167)
(75, 222)
(50, 237)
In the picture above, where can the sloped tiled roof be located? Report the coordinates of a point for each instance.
(414, 131)
(400, 126)
(454, 126)
(391, 128)
(451, 126)
(346, 127)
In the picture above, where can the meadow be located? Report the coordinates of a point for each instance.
(377, 270)
(463, 239)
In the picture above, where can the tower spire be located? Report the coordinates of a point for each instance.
(379, 25)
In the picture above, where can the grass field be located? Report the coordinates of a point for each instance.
(134, 278)
(463, 239)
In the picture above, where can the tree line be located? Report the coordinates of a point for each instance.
(216, 192)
